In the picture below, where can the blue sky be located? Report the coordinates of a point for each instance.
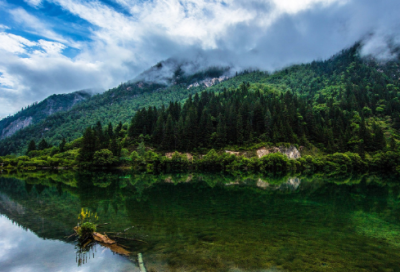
(61, 46)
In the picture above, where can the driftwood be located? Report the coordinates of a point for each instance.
(141, 263)
(132, 239)
(100, 225)
(102, 238)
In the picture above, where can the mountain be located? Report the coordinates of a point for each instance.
(328, 104)
(35, 113)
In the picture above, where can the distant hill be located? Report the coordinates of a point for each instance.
(356, 87)
(36, 112)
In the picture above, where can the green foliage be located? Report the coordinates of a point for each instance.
(104, 157)
(86, 229)
(141, 149)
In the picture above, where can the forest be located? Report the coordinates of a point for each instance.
(344, 113)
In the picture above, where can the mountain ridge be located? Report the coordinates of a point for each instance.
(321, 82)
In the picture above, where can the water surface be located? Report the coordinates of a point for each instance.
(202, 222)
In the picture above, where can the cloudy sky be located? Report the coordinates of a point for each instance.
(60, 46)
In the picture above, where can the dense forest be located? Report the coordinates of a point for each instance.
(346, 104)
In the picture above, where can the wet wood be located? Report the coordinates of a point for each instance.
(132, 239)
(141, 263)
(102, 238)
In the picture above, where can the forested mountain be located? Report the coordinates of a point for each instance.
(346, 103)
(36, 112)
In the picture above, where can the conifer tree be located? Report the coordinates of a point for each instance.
(43, 145)
(239, 129)
(31, 146)
(88, 146)
(62, 145)
(169, 141)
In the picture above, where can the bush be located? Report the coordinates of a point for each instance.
(86, 229)
(104, 157)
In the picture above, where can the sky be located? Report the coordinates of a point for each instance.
(21, 250)
(60, 46)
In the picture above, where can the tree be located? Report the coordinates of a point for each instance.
(88, 146)
(110, 131)
(31, 146)
(115, 148)
(169, 141)
(239, 129)
(62, 145)
(104, 157)
(141, 149)
(379, 137)
(393, 144)
(43, 145)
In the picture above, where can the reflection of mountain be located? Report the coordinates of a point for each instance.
(197, 221)
(291, 185)
(30, 211)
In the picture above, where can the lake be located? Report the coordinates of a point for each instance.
(201, 221)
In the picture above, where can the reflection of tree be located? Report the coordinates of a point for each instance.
(84, 253)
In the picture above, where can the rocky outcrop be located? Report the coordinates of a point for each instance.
(13, 127)
(232, 153)
(188, 155)
(208, 82)
(291, 152)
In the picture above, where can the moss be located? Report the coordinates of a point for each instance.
(86, 229)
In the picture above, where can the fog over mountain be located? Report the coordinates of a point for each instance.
(59, 46)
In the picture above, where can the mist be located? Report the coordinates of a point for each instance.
(195, 35)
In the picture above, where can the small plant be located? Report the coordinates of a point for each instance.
(86, 229)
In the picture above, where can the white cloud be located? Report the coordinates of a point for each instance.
(243, 33)
(51, 48)
(34, 3)
(36, 26)
(13, 43)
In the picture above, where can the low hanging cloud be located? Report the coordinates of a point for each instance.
(124, 41)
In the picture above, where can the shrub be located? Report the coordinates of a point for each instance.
(104, 157)
(86, 229)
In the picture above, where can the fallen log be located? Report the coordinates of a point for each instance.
(102, 238)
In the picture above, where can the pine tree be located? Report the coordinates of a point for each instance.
(141, 149)
(118, 128)
(31, 146)
(88, 146)
(258, 119)
(393, 144)
(239, 129)
(169, 141)
(62, 145)
(115, 148)
(110, 131)
(43, 145)
(379, 137)
(158, 130)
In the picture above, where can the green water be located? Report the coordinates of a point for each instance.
(202, 222)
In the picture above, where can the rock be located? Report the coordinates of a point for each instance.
(170, 154)
(232, 153)
(262, 184)
(291, 152)
(262, 152)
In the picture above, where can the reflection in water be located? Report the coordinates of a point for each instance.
(205, 222)
(22, 250)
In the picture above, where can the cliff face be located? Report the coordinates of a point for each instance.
(38, 111)
(291, 152)
(13, 127)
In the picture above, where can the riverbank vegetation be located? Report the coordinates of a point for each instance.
(342, 114)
